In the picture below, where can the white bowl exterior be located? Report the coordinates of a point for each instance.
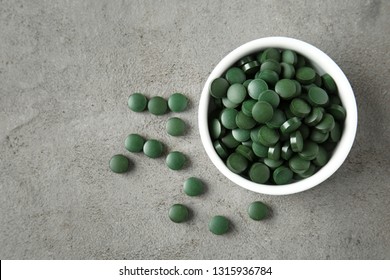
(324, 64)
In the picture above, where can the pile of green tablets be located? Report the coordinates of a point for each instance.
(274, 119)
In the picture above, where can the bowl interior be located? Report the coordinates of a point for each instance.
(322, 64)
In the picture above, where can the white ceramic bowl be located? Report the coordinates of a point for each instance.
(322, 64)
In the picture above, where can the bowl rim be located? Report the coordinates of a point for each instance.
(323, 64)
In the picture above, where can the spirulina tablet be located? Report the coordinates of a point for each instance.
(157, 105)
(257, 210)
(134, 143)
(137, 102)
(177, 102)
(305, 75)
(178, 213)
(153, 148)
(175, 160)
(193, 187)
(219, 225)
(219, 87)
(255, 87)
(237, 163)
(259, 173)
(176, 127)
(262, 112)
(235, 76)
(282, 175)
(286, 88)
(119, 164)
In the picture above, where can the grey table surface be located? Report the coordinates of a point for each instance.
(66, 71)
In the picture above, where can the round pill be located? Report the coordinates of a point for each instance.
(287, 71)
(176, 126)
(305, 75)
(175, 160)
(314, 117)
(317, 96)
(271, 97)
(322, 157)
(247, 107)
(286, 88)
(137, 102)
(337, 111)
(290, 57)
(177, 102)
(282, 175)
(219, 225)
(298, 164)
(259, 173)
(335, 133)
(193, 187)
(244, 122)
(178, 213)
(236, 163)
(215, 127)
(256, 87)
(272, 65)
(270, 53)
(236, 93)
(299, 107)
(262, 112)
(257, 210)
(119, 164)
(220, 149)
(274, 152)
(326, 124)
(277, 119)
(228, 118)
(235, 75)
(153, 148)
(134, 143)
(296, 141)
(290, 125)
(157, 105)
(329, 83)
(309, 151)
(269, 76)
(241, 135)
(259, 149)
(219, 87)
(268, 136)
(251, 68)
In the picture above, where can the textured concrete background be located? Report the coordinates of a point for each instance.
(66, 70)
